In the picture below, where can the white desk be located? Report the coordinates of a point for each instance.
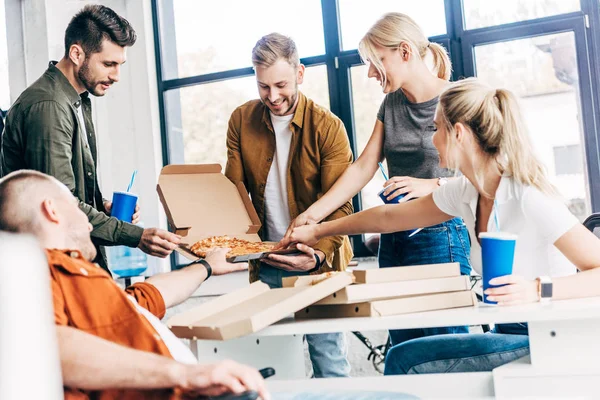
(564, 360)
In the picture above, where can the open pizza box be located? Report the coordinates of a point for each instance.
(251, 309)
(201, 202)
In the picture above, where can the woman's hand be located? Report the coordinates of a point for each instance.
(300, 220)
(413, 187)
(306, 234)
(516, 290)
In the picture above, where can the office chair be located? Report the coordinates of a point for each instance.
(593, 223)
(29, 361)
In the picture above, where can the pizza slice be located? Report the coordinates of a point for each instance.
(238, 246)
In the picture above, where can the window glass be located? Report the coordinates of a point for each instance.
(201, 37)
(543, 72)
(4, 89)
(367, 97)
(356, 17)
(197, 116)
(482, 13)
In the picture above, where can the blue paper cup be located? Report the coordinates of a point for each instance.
(123, 206)
(395, 200)
(497, 256)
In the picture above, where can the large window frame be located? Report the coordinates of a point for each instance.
(459, 42)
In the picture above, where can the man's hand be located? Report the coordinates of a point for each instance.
(223, 377)
(413, 187)
(136, 215)
(216, 259)
(158, 243)
(303, 262)
(516, 290)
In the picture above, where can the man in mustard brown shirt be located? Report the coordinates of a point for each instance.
(112, 344)
(288, 151)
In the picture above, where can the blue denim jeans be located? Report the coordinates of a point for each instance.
(328, 352)
(480, 352)
(443, 243)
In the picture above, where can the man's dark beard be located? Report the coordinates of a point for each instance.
(85, 77)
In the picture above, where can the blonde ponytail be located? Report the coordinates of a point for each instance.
(393, 29)
(441, 61)
(520, 160)
(494, 118)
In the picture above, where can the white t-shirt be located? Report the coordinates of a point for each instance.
(538, 220)
(178, 350)
(277, 211)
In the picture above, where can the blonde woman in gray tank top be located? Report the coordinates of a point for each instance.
(397, 54)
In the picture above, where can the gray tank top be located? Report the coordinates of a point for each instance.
(408, 129)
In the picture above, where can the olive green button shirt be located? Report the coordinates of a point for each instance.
(319, 155)
(43, 132)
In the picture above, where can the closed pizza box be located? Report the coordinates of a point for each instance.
(403, 305)
(384, 275)
(251, 309)
(408, 273)
(380, 291)
(201, 202)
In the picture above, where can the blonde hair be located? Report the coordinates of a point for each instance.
(494, 117)
(391, 31)
(273, 47)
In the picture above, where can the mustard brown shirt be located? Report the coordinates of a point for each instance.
(319, 155)
(43, 132)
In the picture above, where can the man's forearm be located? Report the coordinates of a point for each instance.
(177, 286)
(92, 363)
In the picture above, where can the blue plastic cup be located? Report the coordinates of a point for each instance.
(395, 200)
(497, 256)
(123, 206)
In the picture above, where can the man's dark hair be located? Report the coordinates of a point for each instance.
(90, 26)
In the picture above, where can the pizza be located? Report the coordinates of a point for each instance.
(238, 246)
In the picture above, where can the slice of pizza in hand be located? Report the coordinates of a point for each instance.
(238, 246)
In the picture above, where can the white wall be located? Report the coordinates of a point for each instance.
(126, 119)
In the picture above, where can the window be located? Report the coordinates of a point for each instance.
(543, 72)
(483, 13)
(214, 36)
(198, 115)
(4, 88)
(357, 17)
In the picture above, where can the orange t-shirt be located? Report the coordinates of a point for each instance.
(86, 297)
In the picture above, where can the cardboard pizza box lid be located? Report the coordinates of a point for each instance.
(250, 309)
(201, 202)
(382, 291)
(408, 273)
(402, 305)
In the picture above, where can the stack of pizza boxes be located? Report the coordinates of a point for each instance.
(393, 291)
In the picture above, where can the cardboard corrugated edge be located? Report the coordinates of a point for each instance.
(182, 325)
(405, 305)
(189, 324)
(381, 291)
(174, 169)
(408, 273)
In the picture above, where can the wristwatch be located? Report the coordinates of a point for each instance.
(544, 289)
(442, 181)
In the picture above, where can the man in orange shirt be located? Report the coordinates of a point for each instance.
(111, 342)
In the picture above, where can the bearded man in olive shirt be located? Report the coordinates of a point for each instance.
(288, 151)
(50, 128)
